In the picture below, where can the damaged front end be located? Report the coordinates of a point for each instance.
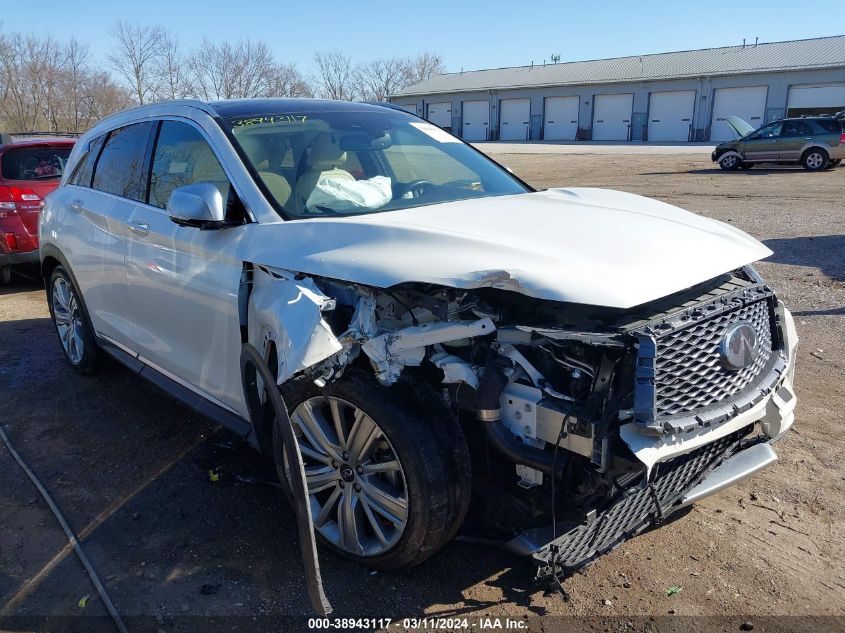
(586, 425)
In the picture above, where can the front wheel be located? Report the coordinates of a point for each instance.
(816, 159)
(387, 471)
(730, 162)
(71, 322)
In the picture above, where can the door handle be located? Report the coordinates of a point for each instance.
(75, 205)
(138, 228)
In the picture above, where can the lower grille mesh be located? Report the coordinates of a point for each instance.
(634, 509)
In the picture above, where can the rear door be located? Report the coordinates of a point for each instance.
(184, 281)
(98, 202)
(794, 137)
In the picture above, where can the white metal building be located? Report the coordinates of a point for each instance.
(682, 96)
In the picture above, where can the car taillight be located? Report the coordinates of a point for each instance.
(842, 139)
(13, 199)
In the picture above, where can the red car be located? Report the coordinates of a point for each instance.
(29, 170)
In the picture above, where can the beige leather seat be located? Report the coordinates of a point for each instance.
(259, 155)
(324, 161)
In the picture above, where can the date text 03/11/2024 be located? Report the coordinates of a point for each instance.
(419, 624)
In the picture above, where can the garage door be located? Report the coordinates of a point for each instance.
(612, 117)
(749, 104)
(670, 115)
(476, 119)
(412, 108)
(814, 100)
(440, 114)
(560, 118)
(514, 119)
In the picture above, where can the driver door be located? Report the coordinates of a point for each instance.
(184, 281)
(764, 144)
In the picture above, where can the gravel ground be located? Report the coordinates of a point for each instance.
(129, 467)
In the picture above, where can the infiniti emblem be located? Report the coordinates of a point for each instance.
(739, 346)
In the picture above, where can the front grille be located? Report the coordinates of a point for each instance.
(636, 508)
(688, 371)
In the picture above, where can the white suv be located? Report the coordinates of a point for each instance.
(439, 331)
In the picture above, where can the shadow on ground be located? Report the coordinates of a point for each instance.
(825, 252)
(130, 468)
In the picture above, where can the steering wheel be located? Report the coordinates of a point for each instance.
(415, 187)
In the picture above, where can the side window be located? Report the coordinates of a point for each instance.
(85, 169)
(796, 128)
(183, 157)
(121, 164)
(770, 131)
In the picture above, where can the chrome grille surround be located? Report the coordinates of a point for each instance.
(681, 383)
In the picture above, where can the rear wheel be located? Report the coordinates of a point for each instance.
(815, 159)
(388, 474)
(730, 162)
(5, 275)
(71, 322)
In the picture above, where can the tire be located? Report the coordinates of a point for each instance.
(70, 318)
(5, 275)
(834, 163)
(745, 166)
(731, 162)
(415, 433)
(815, 159)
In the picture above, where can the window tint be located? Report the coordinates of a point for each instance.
(85, 169)
(831, 125)
(770, 131)
(121, 163)
(796, 128)
(183, 157)
(34, 163)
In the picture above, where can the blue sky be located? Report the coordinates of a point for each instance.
(469, 34)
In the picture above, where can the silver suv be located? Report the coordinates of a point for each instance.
(438, 330)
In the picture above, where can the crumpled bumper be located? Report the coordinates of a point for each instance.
(681, 469)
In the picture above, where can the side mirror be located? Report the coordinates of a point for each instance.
(199, 204)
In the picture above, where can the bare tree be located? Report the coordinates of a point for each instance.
(336, 76)
(422, 66)
(381, 78)
(137, 57)
(287, 81)
(173, 79)
(233, 71)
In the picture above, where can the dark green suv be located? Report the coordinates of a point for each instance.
(818, 143)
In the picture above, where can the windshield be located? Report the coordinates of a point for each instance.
(326, 163)
(34, 163)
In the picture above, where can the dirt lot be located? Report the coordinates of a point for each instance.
(129, 467)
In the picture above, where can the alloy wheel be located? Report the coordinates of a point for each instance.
(815, 160)
(68, 320)
(356, 485)
(729, 161)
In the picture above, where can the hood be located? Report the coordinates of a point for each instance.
(590, 246)
(739, 126)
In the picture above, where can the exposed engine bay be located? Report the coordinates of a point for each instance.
(599, 417)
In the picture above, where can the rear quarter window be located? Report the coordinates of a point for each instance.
(34, 163)
(85, 170)
(830, 125)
